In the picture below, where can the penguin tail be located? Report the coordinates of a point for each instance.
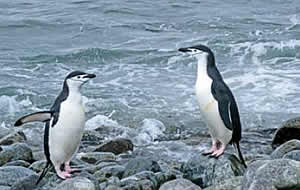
(44, 172)
(237, 146)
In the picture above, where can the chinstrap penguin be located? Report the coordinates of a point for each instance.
(64, 125)
(217, 104)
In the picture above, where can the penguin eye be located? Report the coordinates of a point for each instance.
(78, 77)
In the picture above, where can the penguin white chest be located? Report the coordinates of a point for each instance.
(209, 107)
(65, 136)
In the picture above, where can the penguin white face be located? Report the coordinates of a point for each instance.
(192, 51)
(77, 78)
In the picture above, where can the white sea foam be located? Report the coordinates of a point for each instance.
(150, 130)
(100, 120)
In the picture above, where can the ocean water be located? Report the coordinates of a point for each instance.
(143, 83)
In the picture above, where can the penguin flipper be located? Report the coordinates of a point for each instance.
(42, 116)
(228, 109)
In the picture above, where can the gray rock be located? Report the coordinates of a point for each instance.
(21, 163)
(77, 183)
(4, 131)
(38, 165)
(2, 187)
(144, 184)
(16, 137)
(272, 175)
(94, 157)
(179, 184)
(293, 155)
(285, 148)
(92, 169)
(90, 137)
(112, 187)
(140, 164)
(229, 184)
(109, 171)
(205, 171)
(34, 135)
(39, 155)
(12, 174)
(116, 146)
(145, 179)
(15, 152)
(287, 131)
(27, 183)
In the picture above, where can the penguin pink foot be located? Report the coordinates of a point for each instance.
(69, 169)
(219, 152)
(63, 174)
(212, 149)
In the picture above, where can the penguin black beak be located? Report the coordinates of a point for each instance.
(184, 50)
(90, 76)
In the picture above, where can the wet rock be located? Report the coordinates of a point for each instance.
(93, 169)
(140, 164)
(90, 137)
(145, 179)
(16, 137)
(21, 163)
(2, 187)
(35, 136)
(232, 184)
(272, 174)
(94, 157)
(4, 131)
(138, 185)
(112, 187)
(109, 171)
(179, 184)
(10, 175)
(116, 146)
(77, 183)
(27, 183)
(15, 152)
(38, 155)
(38, 165)
(285, 148)
(287, 131)
(293, 155)
(205, 171)
(161, 178)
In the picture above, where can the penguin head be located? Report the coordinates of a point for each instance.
(194, 50)
(200, 52)
(77, 78)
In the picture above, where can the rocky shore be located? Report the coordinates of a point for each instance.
(168, 163)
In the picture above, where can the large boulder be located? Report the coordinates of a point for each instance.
(141, 164)
(285, 148)
(77, 183)
(179, 184)
(116, 146)
(10, 175)
(19, 151)
(287, 131)
(234, 183)
(272, 175)
(205, 171)
(27, 183)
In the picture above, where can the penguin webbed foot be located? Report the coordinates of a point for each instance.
(64, 174)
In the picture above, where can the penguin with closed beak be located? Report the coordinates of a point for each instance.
(64, 125)
(217, 103)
